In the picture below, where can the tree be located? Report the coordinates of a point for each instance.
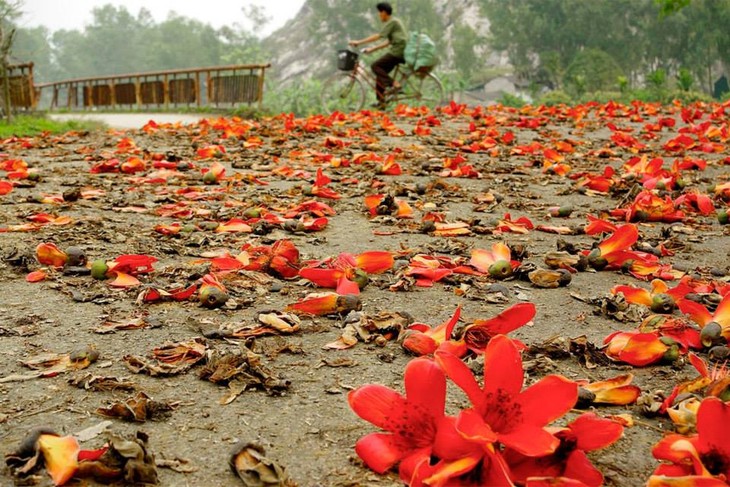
(9, 11)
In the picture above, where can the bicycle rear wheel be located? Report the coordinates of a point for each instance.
(342, 92)
(429, 90)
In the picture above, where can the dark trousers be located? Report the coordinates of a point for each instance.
(381, 67)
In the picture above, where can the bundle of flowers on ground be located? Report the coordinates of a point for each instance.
(504, 438)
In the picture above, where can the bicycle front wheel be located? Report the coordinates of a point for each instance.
(342, 92)
(429, 91)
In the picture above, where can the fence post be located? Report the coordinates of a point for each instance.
(138, 92)
(261, 86)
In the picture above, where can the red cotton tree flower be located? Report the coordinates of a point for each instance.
(348, 273)
(410, 422)
(502, 415)
(569, 461)
(701, 460)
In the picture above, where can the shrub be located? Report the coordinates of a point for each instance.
(686, 97)
(685, 80)
(657, 80)
(556, 97)
(510, 100)
(603, 97)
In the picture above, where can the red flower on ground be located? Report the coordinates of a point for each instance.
(348, 273)
(715, 326)
(699, 460)
(616, 390)
(501, 410)
(587, 433)
(635, 348)
(497, 262)
(661, 299)
(319, 188)
(410, 422)
(477, 335)
(612, 252)
(280, 259)
(421, 339)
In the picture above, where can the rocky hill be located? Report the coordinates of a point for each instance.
(306, 46)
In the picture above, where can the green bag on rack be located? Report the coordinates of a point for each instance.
(420, 51)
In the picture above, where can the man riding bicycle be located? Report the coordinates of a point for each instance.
(395, 35)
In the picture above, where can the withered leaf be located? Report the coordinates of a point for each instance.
(249, 462)
(180, 465)
(377, 328)
(52, 364)
(98, 383)
(242, 371)
(138, 408)
(587, 353)
(111, 326)
(270, 323)
(169, 359)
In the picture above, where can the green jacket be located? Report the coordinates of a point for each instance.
(394, 31)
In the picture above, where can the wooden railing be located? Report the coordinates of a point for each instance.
(22, 92)
(213, 86)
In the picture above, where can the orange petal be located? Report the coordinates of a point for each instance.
(374, 262)
(404, 209)
(322, 277)
(696, 312)
(36, 276)
(452, 229)
(315, 305)
(612, 383)
(501, 252)
(373, 200)
(618, 396)
(60, 455)
(419, 343)
(722, 313)
(481, 259)
(49, 254)
(623, 238)
(346, 286)
(642, 349)
(635, 295)
(234, 225)
(122, 279)
(5, 187)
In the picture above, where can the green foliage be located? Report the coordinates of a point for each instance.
(592, 70)
(510, 100)
(465, 39)
(25, 125)
(302, 98)
(544, 37)
(603, 97)
(669, 7)
(555, 97)
(685, 80)
(657, 79)
(687, 96)
(623, 84)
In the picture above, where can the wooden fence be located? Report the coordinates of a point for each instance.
(216, 86)
(22, 91)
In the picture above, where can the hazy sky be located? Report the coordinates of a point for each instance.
(74, 14)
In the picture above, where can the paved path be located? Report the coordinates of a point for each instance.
(131, 120)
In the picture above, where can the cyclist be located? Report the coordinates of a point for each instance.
(395, 37)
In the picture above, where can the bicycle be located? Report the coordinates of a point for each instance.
(348, 89)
